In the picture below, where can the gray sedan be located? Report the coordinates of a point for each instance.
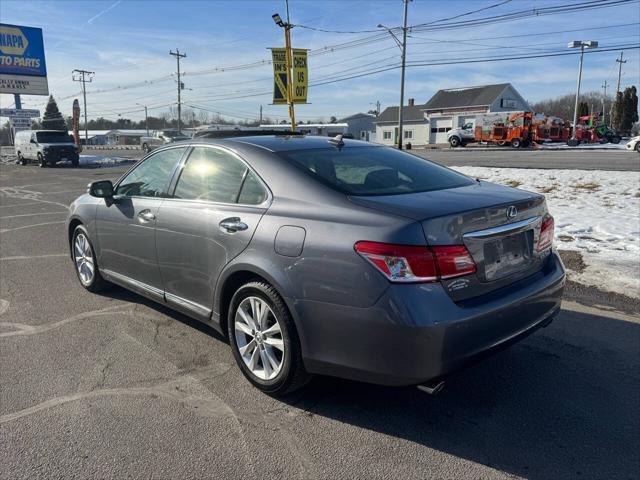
(322, 256)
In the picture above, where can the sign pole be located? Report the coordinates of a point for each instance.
(17, 101)
(289, 66)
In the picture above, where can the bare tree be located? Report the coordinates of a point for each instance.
(203, 117)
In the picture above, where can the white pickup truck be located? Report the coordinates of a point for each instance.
(461, 136)
(160, 138)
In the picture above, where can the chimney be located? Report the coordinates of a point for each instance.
(412, 101)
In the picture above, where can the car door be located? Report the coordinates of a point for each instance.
(210, 218)
(126, 226)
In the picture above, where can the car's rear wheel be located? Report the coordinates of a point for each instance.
(84, 259)
(516, 143)
(615, 139)
(264, 340)
(41, 161)
(21, 159)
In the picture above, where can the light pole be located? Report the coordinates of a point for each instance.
(403, 48)
(288, 62)
(581, 44)
(146, 118)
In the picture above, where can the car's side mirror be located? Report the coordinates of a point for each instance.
(32, 141)
(101, 189)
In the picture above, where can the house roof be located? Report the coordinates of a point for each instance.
(465, 97)
(411, 113)
(357, 115)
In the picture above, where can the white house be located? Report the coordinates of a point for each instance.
(450, 108)
(414, 127)
(454, 107)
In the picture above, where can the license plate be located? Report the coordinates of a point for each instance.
(507, 255)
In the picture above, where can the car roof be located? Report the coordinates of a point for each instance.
(281, 143)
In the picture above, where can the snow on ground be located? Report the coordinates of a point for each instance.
(583, 146)
(597, 213)
(101, 160)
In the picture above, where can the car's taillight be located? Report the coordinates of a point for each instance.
(409, 263)
(545, 240)
(453, 261)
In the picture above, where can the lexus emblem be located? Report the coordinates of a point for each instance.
(512, 212)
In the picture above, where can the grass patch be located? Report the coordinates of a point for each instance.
(549, 188)
(513, 183)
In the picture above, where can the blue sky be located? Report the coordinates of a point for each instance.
(127, 43)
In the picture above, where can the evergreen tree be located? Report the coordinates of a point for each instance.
(53, 119)
(583, 109)
(629, 109)
(616, 112)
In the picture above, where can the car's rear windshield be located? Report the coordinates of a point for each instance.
(374, 170)
(53, 137)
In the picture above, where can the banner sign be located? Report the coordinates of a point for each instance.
(300, 75)
(15, 113)
(22, 63)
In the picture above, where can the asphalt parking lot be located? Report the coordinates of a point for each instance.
(114, 386)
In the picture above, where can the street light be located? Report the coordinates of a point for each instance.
(146, 120)
(402, 45)
(286, 26)
(581, 44)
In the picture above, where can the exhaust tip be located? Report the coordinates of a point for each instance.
(432, 388)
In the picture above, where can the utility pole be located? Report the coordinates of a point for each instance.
(178, 56)
(620, 61)
(84, 76)
(403, 49)
(146, 118)
(260, 114)
(604, 99)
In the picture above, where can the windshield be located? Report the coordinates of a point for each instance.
(53, 137)
(174, 134)
(374, 170)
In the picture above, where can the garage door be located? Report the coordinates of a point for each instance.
(439, 128)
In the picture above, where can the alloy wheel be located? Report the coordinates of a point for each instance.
(259, 338)
(84, 259)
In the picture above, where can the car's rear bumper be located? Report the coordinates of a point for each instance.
(416, 333)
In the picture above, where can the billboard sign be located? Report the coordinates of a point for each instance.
(22, 63)
(300, 77)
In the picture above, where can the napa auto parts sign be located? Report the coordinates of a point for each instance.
(22, 66)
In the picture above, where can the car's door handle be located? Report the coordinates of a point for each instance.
(146, 216)
(232, 225)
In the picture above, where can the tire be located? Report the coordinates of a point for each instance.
(90, 280)
(604, 140)
(637, 149)
(145, 148)
(21, 160)
(516, 143)
(615, 139)
(288, 374)
(41, 161)
(75, 163)
(454, 142)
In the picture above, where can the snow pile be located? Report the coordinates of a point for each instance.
(104, 161)
(597, 213)
(583, 146)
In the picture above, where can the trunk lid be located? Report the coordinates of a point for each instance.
(499, 226)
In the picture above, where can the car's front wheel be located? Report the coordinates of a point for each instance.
(84, 260)
(41, 161)
(264, 340)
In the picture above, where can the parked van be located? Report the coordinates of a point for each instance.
(48, 147)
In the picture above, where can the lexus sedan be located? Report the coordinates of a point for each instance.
(319, 255)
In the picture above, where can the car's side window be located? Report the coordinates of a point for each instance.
(151, 178)
(217, 176)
